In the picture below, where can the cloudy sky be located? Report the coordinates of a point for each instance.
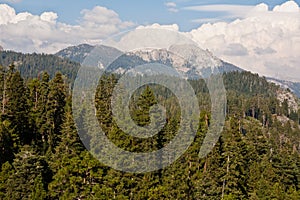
(261, 36)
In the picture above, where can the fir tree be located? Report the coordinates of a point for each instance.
(30, 175)
(56, 102)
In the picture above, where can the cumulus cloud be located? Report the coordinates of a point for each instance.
(231, 11)
(261, 40)
(32, 33)
(151, 36)
(6, 14)
(262, 51)
(172, 27)
(257, 41)
(235, 49)
(50, 17)
(171, 6)
(290, 6)
(100, 15)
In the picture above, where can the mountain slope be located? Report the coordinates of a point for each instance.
(31, 65)
(76, 53)
(193, 69)
(293, 86)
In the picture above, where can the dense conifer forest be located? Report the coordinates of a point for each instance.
(42, 156)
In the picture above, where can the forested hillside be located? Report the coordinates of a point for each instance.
(42, 157)
(33, 65)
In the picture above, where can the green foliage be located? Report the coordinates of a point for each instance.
(42, 156)
(6, 172)
(30, 171)
(15, 106)
(6, 144)
(56, 101)
(32, 65)
(145, 101)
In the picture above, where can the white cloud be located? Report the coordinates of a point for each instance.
(290, 6)
(49, 17)
(220, 8)
(235, 49)
(174, 10)
(100, 15)
(230, 11)
(171, 4)
(205, 20)
(6, 13)
(172, 27)
(153, 36)
(32, 33)
(172, 7)
(261, 39)
(12, 1)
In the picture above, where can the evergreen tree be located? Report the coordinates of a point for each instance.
(30, 175)
(16, 108)
(235, 165)
(39, 192)
(42, 123)
(6, 144)
(56, 102)
(6, 172)
(75, 169)
(145, 101)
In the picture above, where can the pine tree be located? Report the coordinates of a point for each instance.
(210, 184)
(2, 87)
(235, 165)
(145, 101)
(75, 169)
(24, 182)
(6, 144)
(257, 144)
(56, 102)
(42, 124)
(39, 192)
(6, 172)
(69, 145)
(16, 108)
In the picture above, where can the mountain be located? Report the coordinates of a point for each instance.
(76, 53)
(67, 61)
(192, 63)
(193, 69)
(292, 86)
(259, 142)
(1, 48)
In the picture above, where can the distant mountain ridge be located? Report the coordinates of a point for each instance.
(80, 52)
(67, 62)
(75, 53)
(206, 61)
(293, 86)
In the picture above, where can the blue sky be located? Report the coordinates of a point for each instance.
(137, 11)
(259, 36)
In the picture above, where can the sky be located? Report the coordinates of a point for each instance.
(260, 36)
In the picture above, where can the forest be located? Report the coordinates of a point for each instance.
(42, 156)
